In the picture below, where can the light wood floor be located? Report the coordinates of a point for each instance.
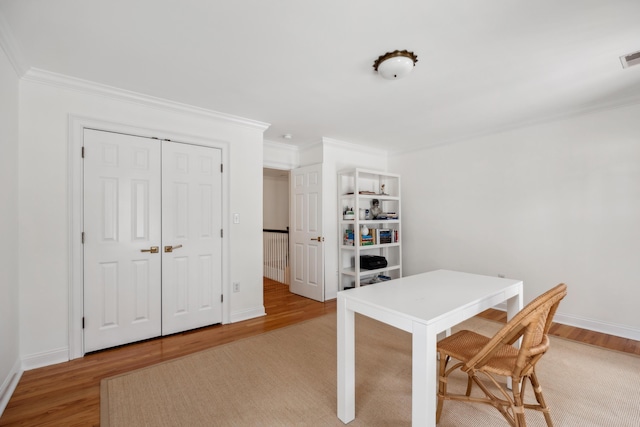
(69, 393)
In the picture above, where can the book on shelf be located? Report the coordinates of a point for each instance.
(375, 279)
(348, 238)
(384, 236)
(366, 240)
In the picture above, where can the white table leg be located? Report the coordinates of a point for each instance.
(514, 305)
(423, 383)
(346, 362)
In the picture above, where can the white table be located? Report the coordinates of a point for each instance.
(423, 305)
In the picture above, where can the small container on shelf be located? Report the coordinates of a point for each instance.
(348, 214)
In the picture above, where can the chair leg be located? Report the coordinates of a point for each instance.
(469, 386)
(537, 390)
(518, 403)
(501, 404)
(442, 384)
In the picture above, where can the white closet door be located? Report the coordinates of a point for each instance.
(122, 275)
(191, 237)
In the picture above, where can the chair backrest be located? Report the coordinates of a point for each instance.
(531, 324)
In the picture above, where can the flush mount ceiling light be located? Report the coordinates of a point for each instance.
(396, 64)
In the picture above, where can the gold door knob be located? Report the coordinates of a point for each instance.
(152, 249)
(171, 248)
(318, 239)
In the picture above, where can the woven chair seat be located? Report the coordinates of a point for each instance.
(465, 344)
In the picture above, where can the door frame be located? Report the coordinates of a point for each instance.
(77, 124)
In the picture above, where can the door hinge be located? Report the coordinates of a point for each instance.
(82, 237)
(221, 232)
(221, 298)
(221, 168)
(83, 152)
(82, 322)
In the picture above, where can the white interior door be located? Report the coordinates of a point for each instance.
(122, 289)
(191, 237)
(307, 240)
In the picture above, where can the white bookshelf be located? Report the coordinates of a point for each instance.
(357, 189)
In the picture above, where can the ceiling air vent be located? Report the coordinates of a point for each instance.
(630, 59)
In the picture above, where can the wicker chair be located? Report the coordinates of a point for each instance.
(483, 358)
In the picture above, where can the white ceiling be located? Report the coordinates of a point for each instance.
(305, 67)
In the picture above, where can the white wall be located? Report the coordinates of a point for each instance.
(45, 105)
(556, 202)
(337, 156)
(276, 201)
(9, 279)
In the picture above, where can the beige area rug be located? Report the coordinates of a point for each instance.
(287, 377)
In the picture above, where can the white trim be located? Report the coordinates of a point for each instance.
(76, 225)
(281, 146)
(46, 358)
(311, 154)
(277, 155)
(77, 124)
(9, 385)
(591, 325)
(247, 314)
(97, 89)
(598, 326)
(523, 124)
(10, 46)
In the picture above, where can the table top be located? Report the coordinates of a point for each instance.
(426, 297)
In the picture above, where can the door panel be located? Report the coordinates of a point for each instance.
(307, 247)
(192, 223)
(122, 290)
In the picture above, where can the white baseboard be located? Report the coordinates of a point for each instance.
(251, 313)
(9, 385)
(46, 358)
(591, 325)
(598, 326)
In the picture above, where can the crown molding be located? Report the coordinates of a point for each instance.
(10, 47)
(524, 124)
(49, 78)
(278, 155)
(280, 146)
(335, 143)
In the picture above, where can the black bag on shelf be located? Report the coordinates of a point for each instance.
(372, 262)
